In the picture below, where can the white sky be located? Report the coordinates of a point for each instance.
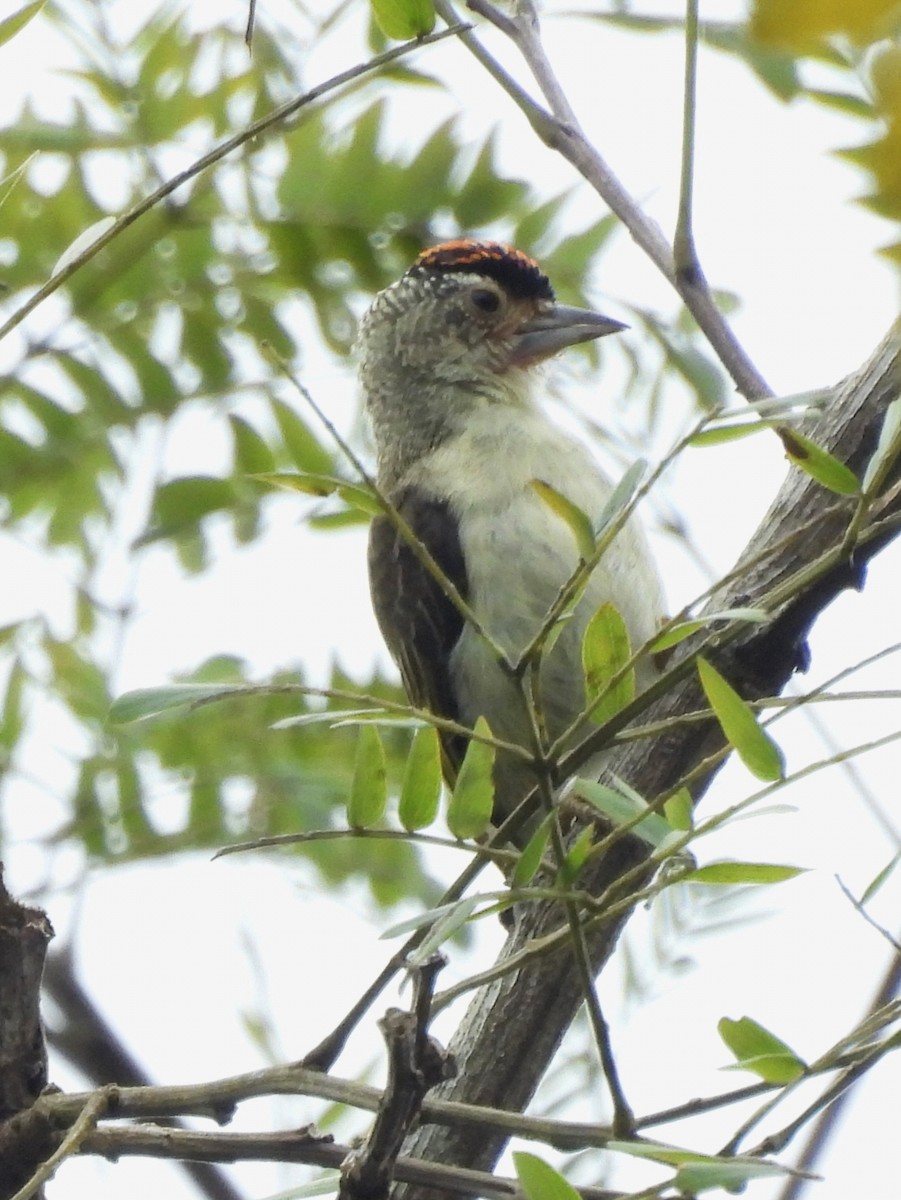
(776, 225)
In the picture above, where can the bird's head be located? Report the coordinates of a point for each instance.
(459, 329)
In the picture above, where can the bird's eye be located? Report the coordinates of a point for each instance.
(485, 300)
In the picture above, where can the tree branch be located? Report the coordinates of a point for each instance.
(560, 130)
(25, 934)
(514, 1026)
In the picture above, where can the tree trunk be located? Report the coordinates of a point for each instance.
(514, 1025)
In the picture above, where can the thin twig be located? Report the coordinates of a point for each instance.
(685, 252)
(94, 1108)
(560, 130)
(401, 525)
(829, 1117)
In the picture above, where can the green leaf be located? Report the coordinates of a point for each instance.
(605, 652)
(369, 786)
(622, 809)
(873, 887)
(431, 916)
(530, 859)
(421, 787)
(570, 260)
(576, 857)
(444, 928)
(539, 1180)
(760, 1051)
(729, 1174)
(304, 449)
(357, 495)
(621, 495)
(679, 810)
(729, 872)
(403, 19)
(699, 1172)
(571, 514)
(11, 25)
(818, 463)
(887, 449)
(472, 800)
(182, 503)
(845, 102)
(684, 629)
(717, 435)
(486, 195)
(252, 455)
(12, 720)
(9, 181)
(535, 224)
(754, 746)
(150, 702)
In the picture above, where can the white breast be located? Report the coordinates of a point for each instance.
(519, 553)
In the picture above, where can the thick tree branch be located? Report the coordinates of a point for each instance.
(25, 934)
(300, 1146)
(90, 1044)
(515, 1024)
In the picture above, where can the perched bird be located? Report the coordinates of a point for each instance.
(448, 358)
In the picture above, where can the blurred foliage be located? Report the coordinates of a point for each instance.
(800, 25)
(857, 50)
(172, 337)
(175, 326)
(167, 330)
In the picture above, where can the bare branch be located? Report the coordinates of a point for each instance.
(302, 1146)
(560, 130)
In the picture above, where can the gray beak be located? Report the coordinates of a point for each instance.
(559, 327)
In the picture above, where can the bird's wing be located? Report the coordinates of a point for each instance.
(419, 623)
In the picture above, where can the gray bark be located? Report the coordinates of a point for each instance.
(514, 1026)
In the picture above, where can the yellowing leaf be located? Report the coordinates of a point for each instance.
(605, 652)
(470, 806)
(884, 69)
(309, 483)
(818, 463)
(801, 24)
(754, 746)
(368, 789)
(571, 514)
(421, 787)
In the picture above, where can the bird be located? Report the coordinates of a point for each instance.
(450, 372)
